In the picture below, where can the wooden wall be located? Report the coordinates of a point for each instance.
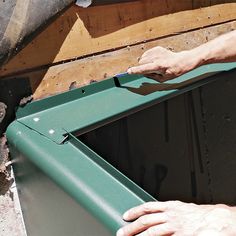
(90, 44)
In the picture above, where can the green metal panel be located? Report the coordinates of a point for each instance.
(90, 180)
(43, 133)
(47, 209)
(83, 109)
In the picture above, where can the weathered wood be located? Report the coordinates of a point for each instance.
(22, 20)
(56, 79)
(81, 32)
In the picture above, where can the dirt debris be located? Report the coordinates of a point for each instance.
(11, 223)
(5, 178)
(4, 151)
(25, 100)
(73, 85)
(3, 108)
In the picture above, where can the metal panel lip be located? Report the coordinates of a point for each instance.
(86, 108)
(143, 195)
(95, 184)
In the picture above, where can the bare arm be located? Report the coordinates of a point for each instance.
(174, 217)
(221, 49)
(172, 64)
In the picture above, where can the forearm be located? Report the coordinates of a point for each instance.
(170, 64)
(220, 49)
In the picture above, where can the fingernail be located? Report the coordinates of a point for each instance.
(120, 232)
(126, 215)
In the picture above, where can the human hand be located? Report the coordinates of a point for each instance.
(163, 64)
(179, 219)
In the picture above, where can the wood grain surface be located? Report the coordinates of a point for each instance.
(96, 30)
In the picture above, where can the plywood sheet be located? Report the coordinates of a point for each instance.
(80, 32)
(58, 78)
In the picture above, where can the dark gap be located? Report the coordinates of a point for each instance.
(190, 145)
(117, 82)
(166, 114)
(135, 146)
(196, 133)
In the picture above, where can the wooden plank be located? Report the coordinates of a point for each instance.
(81, 32)
(57, 79)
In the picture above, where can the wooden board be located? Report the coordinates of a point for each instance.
(82, 32)
(57, 79)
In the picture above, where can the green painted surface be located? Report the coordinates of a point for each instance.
(90, 180)
(86, 108)
(41, 126)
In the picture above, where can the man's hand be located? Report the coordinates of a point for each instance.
(163, 64)
(179, 219)
(170, 64)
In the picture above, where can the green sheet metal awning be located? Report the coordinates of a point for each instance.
(45, 132)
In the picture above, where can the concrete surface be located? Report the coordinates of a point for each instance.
(11, 223)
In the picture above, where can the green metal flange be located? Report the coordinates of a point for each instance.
(86, 108)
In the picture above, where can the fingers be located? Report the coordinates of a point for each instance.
(146, 208)
(152, 60)
(142, 224)
(160, 230)
(145, 60)
(158, 77)
(158, 50)
(143, 69)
